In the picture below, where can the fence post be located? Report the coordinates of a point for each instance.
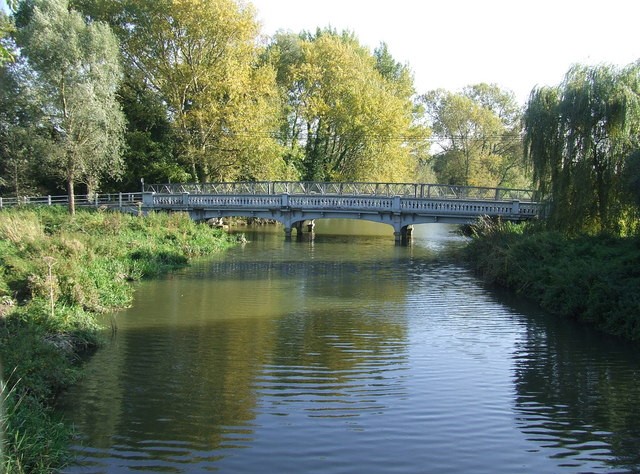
(120, 200)
(0, 203)
(48, 200)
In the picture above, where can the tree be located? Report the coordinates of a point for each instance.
(21, 137)
(5, 29)
(349, 113)
(632, 177)
(478, 131)
(5, 54)
(579, 137)
(151, 141)
(77, 74)
(202, 59)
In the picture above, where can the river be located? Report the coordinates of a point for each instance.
(348, 354)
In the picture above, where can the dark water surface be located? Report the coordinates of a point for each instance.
(350, 355)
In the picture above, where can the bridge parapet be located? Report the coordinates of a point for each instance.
(415, 190)
(396, 204)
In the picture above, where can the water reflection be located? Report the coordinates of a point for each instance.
(577, 393)
(203, 352)
(341, 365)
(350, 355)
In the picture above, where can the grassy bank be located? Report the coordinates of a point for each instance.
(56, 273)
(591, 279)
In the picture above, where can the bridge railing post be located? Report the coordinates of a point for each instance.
(185, 199)
(396, 205)
(515, 207)
(147, 199)
(284, 201)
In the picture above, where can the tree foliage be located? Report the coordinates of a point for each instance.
(349, 113)
(76, 72)
(151, 141)
(478, 131)
(579, 137)
(201, 57)
(20, 139)
(205, 101)
(5, 29)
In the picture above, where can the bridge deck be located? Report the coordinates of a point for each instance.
(400, 205)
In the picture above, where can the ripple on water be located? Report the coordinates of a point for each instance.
(308, 357)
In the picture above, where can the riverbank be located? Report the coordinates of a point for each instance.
(592, 279)
(56, 273)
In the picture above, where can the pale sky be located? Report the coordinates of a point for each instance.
(453, 43)
(449, 44)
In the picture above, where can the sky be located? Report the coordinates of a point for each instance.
(449, 44)
(516, 44)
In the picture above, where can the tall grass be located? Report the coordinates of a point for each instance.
(594, 279)
(56, 273)
(3, 427)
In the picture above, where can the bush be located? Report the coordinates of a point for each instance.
(587, 278)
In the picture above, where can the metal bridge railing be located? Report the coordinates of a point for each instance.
(415, 190)
(81, 200)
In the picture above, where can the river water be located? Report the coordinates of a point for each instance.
(348, 354)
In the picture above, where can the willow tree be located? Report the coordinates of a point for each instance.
(578, 137)
(77, 72)
(349, 113)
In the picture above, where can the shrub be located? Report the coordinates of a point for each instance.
(591, 279)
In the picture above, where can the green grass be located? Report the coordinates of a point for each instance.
(594, 279)
(56, 273)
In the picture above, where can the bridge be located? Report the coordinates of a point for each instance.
(299, 204)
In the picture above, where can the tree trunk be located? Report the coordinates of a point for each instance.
(71, 196)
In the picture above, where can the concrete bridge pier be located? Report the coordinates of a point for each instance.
(403, 235)
(407, 234)
(311, 225)
(299, 228)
